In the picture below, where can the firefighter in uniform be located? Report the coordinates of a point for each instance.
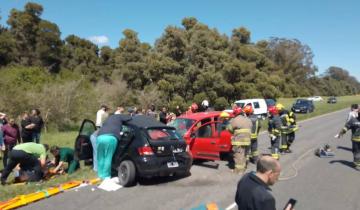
(274, 130)
(252, 152)
(240, 127)
(288, 128)
(353, 124)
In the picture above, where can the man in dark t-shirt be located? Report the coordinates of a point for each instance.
(38, 122)
(26, 128)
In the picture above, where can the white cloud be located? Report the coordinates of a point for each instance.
(99, 40)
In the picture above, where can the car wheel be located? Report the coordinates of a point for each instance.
(126, 173)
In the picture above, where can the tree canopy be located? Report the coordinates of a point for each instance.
(187, 63)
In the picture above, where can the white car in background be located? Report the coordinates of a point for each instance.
(315, 98)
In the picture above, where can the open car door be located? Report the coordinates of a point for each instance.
(204, 142)
(83, 147)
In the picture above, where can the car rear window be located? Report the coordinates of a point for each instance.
(182, 124)
(159, 134)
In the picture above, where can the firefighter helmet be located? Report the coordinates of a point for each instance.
(205, 103)
(248, 109)
(273, 110)
(237, 110)
(224, 114)
(279, 107)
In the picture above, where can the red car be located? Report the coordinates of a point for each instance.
(204, 133)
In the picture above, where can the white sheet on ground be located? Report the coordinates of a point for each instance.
(110, 184)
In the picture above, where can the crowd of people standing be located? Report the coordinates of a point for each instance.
(12, 134)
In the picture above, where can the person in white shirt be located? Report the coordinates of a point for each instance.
(101, 115)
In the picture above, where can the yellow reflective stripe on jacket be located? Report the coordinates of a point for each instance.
(242, 130)
(240, 143)
(276, 156)
(254, 135)
(238, 166)
(276, 132)
(284, 146)
(355, 138)
(295, 128)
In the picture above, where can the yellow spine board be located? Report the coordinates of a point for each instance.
(22, 200)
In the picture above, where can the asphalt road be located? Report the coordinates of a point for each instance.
(317, 183)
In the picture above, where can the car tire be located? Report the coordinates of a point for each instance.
(126, 173)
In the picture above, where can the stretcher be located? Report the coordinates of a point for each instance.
(22, 200)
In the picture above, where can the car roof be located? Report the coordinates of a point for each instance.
(200, 115)
(250, 99)
(144, 121)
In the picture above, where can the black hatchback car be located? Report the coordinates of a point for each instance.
(303, 105)
(147, 148)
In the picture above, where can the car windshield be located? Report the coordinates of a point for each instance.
(241, 105)
(301, 102)
(182, 124)
(163, 134)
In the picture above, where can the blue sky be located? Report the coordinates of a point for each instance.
(329, 27)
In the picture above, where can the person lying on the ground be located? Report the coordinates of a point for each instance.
(31, 156)
(62, 156)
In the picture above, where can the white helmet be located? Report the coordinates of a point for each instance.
(205, 103)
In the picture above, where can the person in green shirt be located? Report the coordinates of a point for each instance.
(31, 157)
(64, 155)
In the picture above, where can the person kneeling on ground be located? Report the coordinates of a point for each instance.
(64, 155)
(31, 157)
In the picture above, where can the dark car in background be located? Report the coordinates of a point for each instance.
(147, 148)
(303, 106)
(332, 100)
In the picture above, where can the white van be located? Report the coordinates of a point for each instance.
(259, 105)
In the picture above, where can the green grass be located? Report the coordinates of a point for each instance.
(64, 139)
(67, 139)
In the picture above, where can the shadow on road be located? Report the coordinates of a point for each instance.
(345, 148)
(161, 179)
(344, 162)
(207, 164)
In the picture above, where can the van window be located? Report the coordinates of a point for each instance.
(241, 105)
(256, 105)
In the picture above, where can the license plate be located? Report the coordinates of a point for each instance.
(297, 110)
(172, 164)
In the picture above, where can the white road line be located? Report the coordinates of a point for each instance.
(232, 206)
